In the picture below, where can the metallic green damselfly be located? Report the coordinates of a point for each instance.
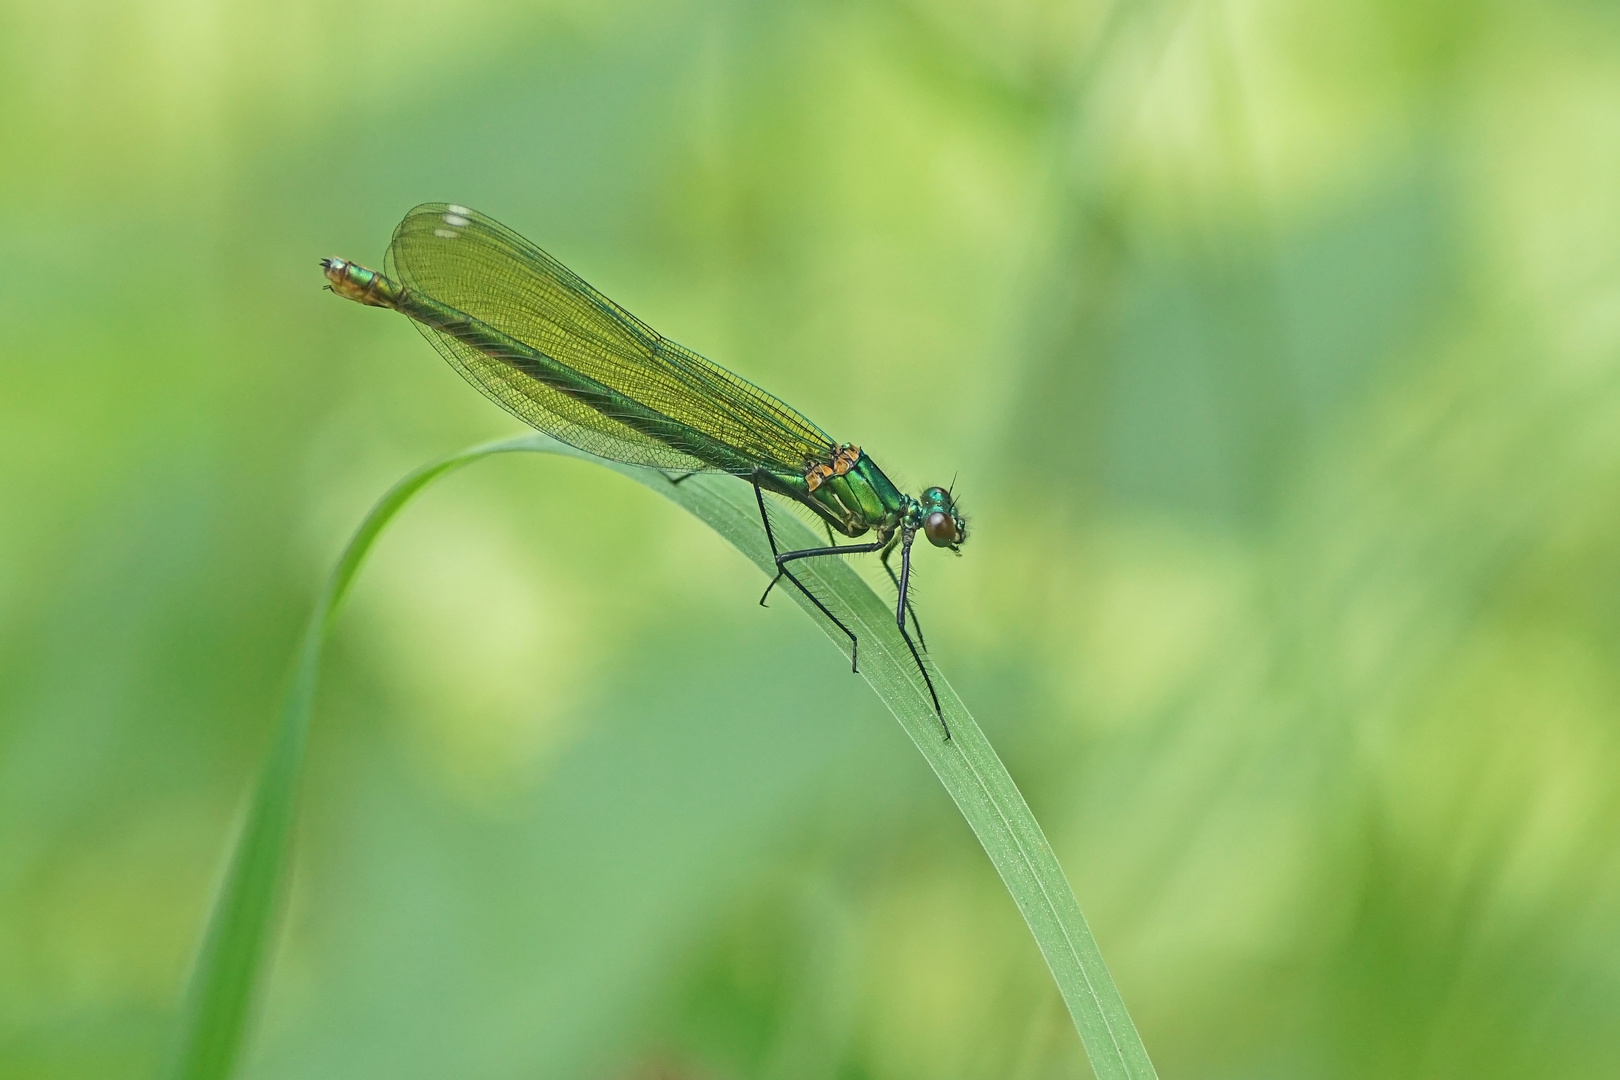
(560, 356)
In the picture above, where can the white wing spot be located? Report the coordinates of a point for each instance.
(455, 219)
(446, 234)
(454, 209)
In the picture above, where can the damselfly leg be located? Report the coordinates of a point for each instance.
(902, 605)
(884, 558)
(784, 557)
(900, 621)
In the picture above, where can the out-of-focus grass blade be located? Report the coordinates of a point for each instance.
(231, 963)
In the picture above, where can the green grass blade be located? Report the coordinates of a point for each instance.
(231, 962)
(967, 765)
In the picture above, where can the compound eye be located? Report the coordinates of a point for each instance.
(940, 528)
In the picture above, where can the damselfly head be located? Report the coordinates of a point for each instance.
(942, 523)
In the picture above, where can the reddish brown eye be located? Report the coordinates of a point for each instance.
(940, 528)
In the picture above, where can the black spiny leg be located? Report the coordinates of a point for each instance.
(887, 551)
(782, 558)
(677, 481)
(832, 548)
(784, 572)
(900, 620)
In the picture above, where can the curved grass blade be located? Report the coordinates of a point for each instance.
(967, 765)
(241, 927)
(231, 963)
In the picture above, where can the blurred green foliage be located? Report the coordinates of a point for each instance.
(1275, 345)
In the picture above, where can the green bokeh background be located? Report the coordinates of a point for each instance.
(1274, 346)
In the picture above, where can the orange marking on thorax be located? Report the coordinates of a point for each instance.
(843, 460)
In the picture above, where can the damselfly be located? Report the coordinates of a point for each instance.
(559, 355)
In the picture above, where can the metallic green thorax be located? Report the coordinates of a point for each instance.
(854, 503)
(861, 499)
